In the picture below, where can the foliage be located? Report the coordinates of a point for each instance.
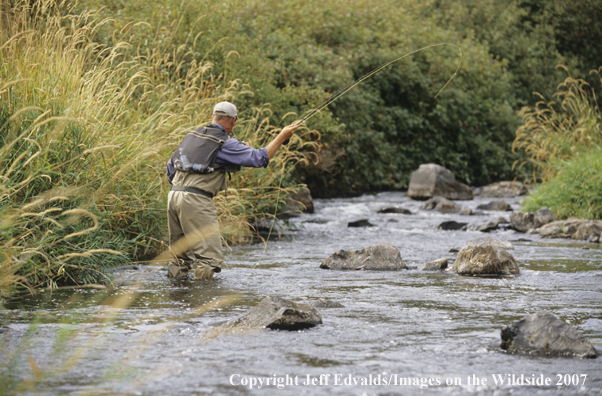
(563, 143)
(553, 132)
(85, 131)
(295, 55)
(574, 190)
(517, 35)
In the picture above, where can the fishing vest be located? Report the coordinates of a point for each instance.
(199, 149)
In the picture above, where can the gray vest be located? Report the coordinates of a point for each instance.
(194, 160)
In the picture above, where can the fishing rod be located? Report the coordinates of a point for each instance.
(373, 72)
(348, 88)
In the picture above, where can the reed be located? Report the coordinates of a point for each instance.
(562, 139)
(86, 130)
(558, 130)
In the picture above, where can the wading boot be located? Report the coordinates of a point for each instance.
(203, 271)
(177, 271)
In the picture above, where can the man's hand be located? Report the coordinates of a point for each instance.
(288, 131)
(283, 136)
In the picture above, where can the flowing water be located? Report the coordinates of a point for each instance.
(406, 332)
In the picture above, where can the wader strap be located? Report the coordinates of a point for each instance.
(191, 190)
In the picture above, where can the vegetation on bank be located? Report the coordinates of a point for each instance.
(85, 132)
(563, 140)
(294, 55)
(96, 94)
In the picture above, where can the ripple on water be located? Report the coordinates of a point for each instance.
(410, 323)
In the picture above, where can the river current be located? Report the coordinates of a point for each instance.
(406, 332)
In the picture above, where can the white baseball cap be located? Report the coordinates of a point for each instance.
(225, 109)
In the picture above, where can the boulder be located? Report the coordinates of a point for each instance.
(504, 189)
(440, 204)
(578, 229)
(484, 260)
(493, 224)
(324, 303)
(394, 209)
(489, 241)
(523, 222)
(496, 205)
(544, 334)
(278, 313)
(360, 223)
(435, 265)
(451, 225)
(380, 257)
(301, 202)
(431, 180)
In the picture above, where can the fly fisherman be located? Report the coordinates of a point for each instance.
(197, 172)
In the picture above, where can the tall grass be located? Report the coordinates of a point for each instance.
(558, 130)
(85, 131)
(562, 139)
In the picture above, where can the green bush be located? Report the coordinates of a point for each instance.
(575, 189)
(295, 55)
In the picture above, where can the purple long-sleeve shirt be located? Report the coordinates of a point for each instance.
(235, 153)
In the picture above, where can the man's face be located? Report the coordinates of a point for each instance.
(227, 123)
(230, 125)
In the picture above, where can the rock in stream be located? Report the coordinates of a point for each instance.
(380, 257)
(544, 334)
(485, 260)
(281, 314)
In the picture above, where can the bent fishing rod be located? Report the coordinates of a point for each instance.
(373, 72)
(343, 92)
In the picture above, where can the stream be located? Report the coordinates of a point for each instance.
(407, 332)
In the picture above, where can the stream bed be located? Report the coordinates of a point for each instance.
(407, 332)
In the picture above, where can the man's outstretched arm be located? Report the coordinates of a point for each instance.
(285, 134)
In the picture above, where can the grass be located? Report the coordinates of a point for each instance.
(85, 132)
(562, 139)
(560, 129)
(574, 190)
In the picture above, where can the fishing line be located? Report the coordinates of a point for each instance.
(373, 72)
(343, 92)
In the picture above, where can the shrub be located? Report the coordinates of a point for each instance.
(574, 190)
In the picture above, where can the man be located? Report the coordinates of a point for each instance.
(197, 171)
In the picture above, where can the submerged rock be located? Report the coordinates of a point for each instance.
(324, 303)
(435, 265)
(281, 314)
(504, 189)
(431, 180)
(394, 209)
(360, 223)
(489, 241)
(493, 224)
(524, 222)
(451, 225)
(380, 257)
(496, 205)
(485, 260)
(544, 334)
(466, 211)
(440, 204)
